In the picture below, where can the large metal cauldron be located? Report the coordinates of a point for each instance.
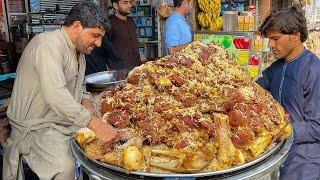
(263, 166)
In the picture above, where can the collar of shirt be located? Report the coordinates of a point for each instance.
(175, 13)
(121, 20)
(297, 57)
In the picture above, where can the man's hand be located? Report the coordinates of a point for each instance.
(104, 132)
(176, 49)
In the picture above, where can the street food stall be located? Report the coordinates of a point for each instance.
(195, 114)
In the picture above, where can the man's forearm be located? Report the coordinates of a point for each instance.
(176, 49)
(88, 105)
(306, 131)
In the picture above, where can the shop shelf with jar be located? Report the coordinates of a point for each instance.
(47, 15)
(237, 32)
(15, 12)
(14, 16)
(145, 19)
(26, 18)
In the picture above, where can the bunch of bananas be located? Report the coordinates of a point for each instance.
(209, 5)
(302, 2)
(204, 19)
(209, 18)
(215, 25)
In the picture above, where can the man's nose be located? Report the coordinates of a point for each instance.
(98, 42)
(270, 43)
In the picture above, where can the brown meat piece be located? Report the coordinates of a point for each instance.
(140, 116)
(209, 126)
(189, 121)
(134, 79)
(177, 95)
(125, 135)
(205, 54)
(176, 80)
(106, 107)
(236, 118)
(242, 138)
(185, 61)
(189, 101)
(173, 59)
(181, 144)
(161, 105)
(153, 129)
(119, 118)
(233, 96)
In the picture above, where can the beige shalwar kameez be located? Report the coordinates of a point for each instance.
(45, 109)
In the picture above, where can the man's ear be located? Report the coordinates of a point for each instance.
(115, 6)
(77, 25)
(296, 36)
(184, 3)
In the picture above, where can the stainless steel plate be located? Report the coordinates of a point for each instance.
(77, 148)
(106, 79)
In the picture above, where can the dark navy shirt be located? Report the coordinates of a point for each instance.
(296, 86)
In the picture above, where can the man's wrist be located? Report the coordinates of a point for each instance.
(93, 123)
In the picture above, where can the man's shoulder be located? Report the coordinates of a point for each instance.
(312, 59)
(111, 17)
(173, 17)
(312, 56)
(130, 19)
(48, 36)
(47, 39)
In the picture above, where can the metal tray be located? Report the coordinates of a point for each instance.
(106, 79)
(264, 156)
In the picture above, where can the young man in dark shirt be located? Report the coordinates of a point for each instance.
(103, 58)
(293, 80)
(123, 35)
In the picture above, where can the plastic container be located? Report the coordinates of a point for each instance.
(230, 20)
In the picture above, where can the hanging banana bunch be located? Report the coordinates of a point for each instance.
(209, 18)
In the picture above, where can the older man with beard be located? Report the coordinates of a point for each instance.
(177, 29)
(123, 35)
(49, 102)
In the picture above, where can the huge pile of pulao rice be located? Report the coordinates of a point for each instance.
(194, 111)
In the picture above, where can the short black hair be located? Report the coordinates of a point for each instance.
(178, 3)
(286, 21)
(89, 14)
(114, 1)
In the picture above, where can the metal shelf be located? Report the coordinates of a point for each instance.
(140, 16)
(143, 5)
(144, 26)
(18, 14)
(44, 24)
